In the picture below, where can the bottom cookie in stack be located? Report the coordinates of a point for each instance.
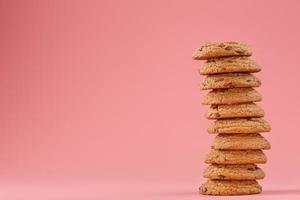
(230, 187)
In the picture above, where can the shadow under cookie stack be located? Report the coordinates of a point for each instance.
(238, 121)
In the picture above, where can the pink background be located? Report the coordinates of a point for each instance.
(100, 98)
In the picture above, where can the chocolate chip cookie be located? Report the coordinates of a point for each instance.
(239, 125)
(230, 187)
(230, 80)
(229, 65)
(222, 49)
(233, 172)
(235, 157)
(231, 96)
(234, 110)
(240, 141)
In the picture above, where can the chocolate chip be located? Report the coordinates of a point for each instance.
(214, 106)
(221, 176)
(258, 81)
(217, 115)
(219, 80)
(252, 168)
(248, 80)
(222, 90)
(231, 85)
(240, 51)
(204, 189)
(211, 60)
(228, 48)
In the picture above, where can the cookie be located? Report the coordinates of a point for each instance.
(234, 110)
(240, 141)
(222, 49)
(230, 187)
(229, 65)
(230, 80)
(231, 96)
(235, 157)
(233, 172)
(239, 125)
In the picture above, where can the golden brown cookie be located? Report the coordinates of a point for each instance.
(222, 49)
(230, 187)
(239, 125)
(233, 172)
(230, 80)
(235, 157)
(245, 141)
(231, 96)
(234, 110)
(229, 65)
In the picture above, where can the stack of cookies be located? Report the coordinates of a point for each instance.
(238, 121)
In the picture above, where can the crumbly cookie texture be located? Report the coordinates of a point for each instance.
(234, 110)
(239, 125)
(240, 141)
(226, 187)
(230, 80)
(231, 96)
(235, 157)
(233, 172)
(229, 65)
(222, 49)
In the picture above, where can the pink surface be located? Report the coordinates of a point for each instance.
(131, 191)
(101, 98)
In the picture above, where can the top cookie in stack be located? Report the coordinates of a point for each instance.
(238, 120)
(223, 49)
